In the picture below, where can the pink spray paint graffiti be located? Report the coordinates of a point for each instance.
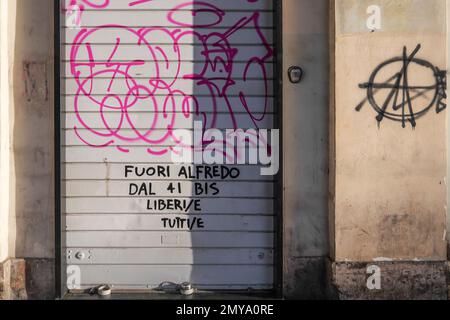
(139, 100)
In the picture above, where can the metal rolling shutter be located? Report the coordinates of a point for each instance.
(127, 65)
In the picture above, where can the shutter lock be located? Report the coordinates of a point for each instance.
(295, 74)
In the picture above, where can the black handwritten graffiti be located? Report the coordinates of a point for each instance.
(399, 100)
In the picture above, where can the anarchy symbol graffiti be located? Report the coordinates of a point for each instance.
(400, 99)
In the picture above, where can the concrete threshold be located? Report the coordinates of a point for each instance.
(172, 296)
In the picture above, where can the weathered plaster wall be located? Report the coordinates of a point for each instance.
(33, 129)
(305, 121)
(390, 182)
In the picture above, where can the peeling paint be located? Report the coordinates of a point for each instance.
(382, 259)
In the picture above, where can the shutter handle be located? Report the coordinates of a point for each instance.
(295, 74)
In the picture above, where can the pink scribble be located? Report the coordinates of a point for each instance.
(99, 4)
(134, 110)
(215, 13)
(137, 2)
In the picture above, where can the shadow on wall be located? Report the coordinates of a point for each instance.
(306, 142)
(33, 143)
(233, 82)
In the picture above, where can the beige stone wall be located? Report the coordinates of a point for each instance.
(390, 192)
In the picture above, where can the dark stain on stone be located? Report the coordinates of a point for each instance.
(35, 80)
